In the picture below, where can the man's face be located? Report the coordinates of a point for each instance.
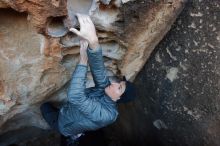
(115, 90)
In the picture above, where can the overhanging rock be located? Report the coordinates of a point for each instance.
(38, 53)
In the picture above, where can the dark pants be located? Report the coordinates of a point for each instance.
(50, 114)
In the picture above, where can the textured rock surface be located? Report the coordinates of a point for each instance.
(38, 54)
(179, 87)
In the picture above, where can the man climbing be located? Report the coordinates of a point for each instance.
(91, 108)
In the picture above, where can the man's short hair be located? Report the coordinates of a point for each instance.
(130, 91)
(115, 79)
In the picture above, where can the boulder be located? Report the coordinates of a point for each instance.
(38, 53)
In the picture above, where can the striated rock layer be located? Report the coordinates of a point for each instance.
(38, 53)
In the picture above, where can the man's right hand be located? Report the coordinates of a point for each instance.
(87, 30)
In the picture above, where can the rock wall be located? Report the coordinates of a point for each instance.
(38, 53)
(179, 87)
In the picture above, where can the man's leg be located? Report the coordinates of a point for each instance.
(50, 114)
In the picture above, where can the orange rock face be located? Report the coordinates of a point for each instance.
(38, 53)
(38, 10)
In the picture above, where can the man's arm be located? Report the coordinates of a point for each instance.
(88, 32)
(97, 67)
(77, 86)
(76, 91)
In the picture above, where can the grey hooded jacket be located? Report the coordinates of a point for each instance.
(87, 109)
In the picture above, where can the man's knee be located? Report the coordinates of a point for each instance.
(44, 108)
(50, 114)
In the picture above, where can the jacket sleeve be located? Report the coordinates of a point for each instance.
(76, 91)
(97, 67)
(103, 113)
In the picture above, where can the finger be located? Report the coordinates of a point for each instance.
(87, 20)
(75, 31)
(80, 18)
(84, 18)
(84, 21)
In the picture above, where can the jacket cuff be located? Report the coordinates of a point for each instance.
(83, 65)
(94, 50)
(80, 70)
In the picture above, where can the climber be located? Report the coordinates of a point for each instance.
(91, 108)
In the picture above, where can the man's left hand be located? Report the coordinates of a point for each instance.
(87, 30)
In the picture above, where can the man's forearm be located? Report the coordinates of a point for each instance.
(94, 43)
(83, 52)
(83, 61)
(77, 84)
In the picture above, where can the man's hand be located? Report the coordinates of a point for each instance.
(83, 53)
(87, 30)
